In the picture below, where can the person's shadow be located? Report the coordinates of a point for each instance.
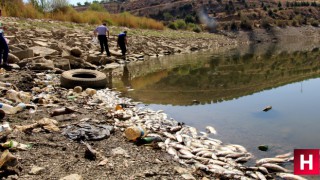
(126, 76)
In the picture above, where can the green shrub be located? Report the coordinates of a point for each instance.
(172, 25)
(197, 29)
(181, 24)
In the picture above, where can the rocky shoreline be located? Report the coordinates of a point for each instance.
(42, 52)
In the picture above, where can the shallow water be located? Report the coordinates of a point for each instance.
(229, 90)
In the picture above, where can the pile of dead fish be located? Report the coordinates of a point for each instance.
(192, 148)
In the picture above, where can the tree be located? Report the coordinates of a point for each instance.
(97, 7)
(189, 19)
(49, 5)
(78, 4)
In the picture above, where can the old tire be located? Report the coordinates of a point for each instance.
(84, 78)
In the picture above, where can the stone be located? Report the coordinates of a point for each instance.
(42, 64)
(94, 59)
(263, 147)
(35, 170)
(43, 51)
(180, 170)
(76, 52)
(62, 63)
(115, 53)
(72, 177)
(119, 151)
(41, 43)
(12, 59)
(28, 53)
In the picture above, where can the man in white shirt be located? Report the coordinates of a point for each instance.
(102, 31)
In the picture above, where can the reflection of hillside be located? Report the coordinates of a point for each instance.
(227, 76)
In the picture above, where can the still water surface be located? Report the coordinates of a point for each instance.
(232, 88)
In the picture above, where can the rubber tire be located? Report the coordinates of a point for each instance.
(68, 80)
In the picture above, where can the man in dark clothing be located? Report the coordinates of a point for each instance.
(122, 42)
(102, 32)
(4, 48)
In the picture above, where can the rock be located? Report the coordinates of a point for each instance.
(62, 63)
(40, 43)
(119, 151)
(28, 53)
(42, 64)
(94, 59)
(115, 53)
(43, 51)
(181, 170)
(12, 59)
(76, 52)
(35, 170)
(106, 60)
(72, 177)
(263, 147)
(268, 108)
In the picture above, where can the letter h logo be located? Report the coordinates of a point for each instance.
(306, 161)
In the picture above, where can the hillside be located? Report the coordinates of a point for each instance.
(228, 15)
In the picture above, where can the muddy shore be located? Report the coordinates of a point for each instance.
(60, 46)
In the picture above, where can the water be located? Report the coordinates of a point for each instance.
(229, 90)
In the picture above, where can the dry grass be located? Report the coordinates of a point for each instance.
(13, 8)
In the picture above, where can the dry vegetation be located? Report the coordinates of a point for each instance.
(13, 8)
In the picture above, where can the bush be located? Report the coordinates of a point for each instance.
(197, 29)
(181, 24)
(173, 26)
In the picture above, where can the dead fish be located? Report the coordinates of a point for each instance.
(175, 129)
(268, 108)
(290, 176)
(220, 163)
(239, 147)
(185, 156)
(215, 166)
(252, 174)
(196, 150)
(179, 146)
(172, 151)
(167, 141)
(224, 153)
(235, 155)
(271, 160)
(243, 159)
(201, 167)
(284, 155)
(260, 176)
(179, 138)
(169, 135)
(263, 170)
(186, 152)
(274, 167)
(209, 142)
(193, 132)
(198, 145)
(207, 154)
(201, 159)
(211, 130)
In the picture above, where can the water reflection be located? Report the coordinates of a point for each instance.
(210, 78)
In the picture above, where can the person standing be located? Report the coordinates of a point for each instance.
(102, 32)
(122, 43)
(4, 48)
